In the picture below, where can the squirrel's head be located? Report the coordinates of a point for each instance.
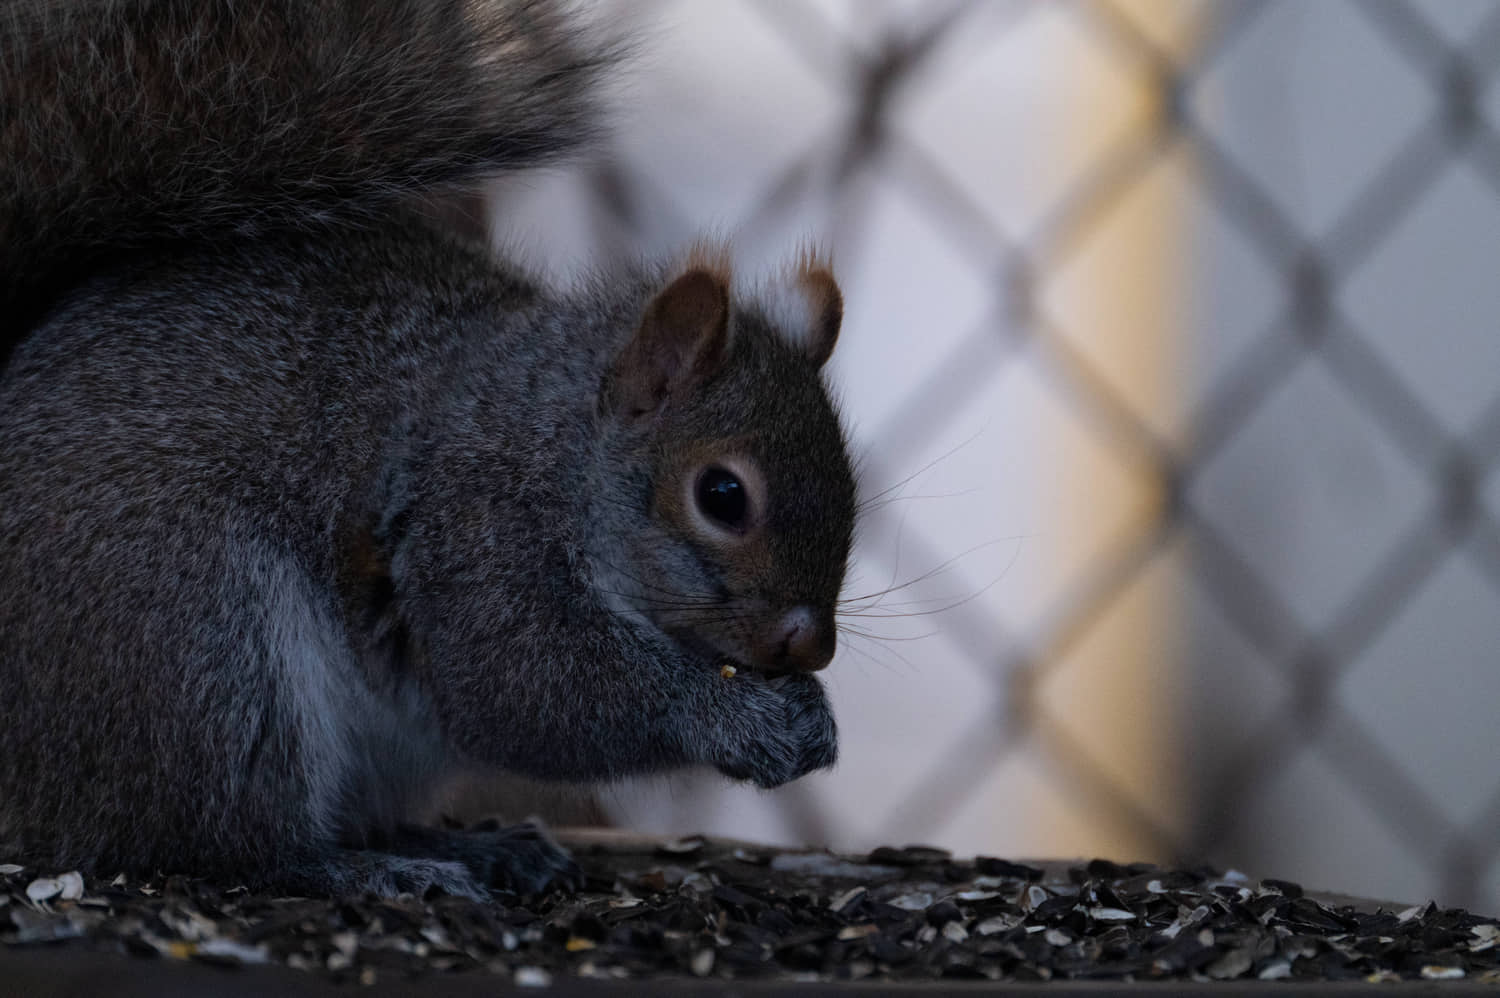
(743, 505)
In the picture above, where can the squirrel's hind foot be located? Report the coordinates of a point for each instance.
(520, 858)
(343, 873)
(423, 861)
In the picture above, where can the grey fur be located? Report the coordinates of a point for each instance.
(308, 504)
(125, 123)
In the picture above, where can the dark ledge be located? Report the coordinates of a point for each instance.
(705, 917)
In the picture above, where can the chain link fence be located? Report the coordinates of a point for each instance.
(1305, 469)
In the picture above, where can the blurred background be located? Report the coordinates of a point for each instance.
(1172, 359)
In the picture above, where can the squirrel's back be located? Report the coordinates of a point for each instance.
(131, 123)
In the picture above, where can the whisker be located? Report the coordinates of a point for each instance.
(655, 603)
(882, 504)
(686, 597)
(866, 656)
(885, 637)
(878, 643)
(867, 503)
(932, 573)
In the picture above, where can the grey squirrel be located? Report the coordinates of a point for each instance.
(304, 500)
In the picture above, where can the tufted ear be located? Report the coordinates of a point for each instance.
(806, 307)
(825, 310)
(681, 341)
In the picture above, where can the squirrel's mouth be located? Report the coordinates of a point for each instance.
(712, 657)
(728, 666)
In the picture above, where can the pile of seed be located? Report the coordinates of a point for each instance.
(704, 908)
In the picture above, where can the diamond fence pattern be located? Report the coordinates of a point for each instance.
(867, 63)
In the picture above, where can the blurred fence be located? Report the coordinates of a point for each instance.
(1294, 430)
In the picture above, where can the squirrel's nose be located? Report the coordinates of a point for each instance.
(804, 639)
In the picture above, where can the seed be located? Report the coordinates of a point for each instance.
(532, 977)
(72, 885)
(44, 889)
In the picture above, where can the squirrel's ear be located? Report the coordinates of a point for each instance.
(805, 305)
(681, 341)
(825, 306)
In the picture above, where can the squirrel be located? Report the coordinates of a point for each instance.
(306, 501)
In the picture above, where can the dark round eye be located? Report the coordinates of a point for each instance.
(721, 497)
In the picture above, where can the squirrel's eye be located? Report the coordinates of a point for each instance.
(721, 497)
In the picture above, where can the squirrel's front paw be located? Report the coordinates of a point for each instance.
(788, 731)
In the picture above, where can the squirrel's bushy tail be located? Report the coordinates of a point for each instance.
(125, 123)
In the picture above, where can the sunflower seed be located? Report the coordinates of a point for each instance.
(71, 884)
(44, 889)
(531, 977)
